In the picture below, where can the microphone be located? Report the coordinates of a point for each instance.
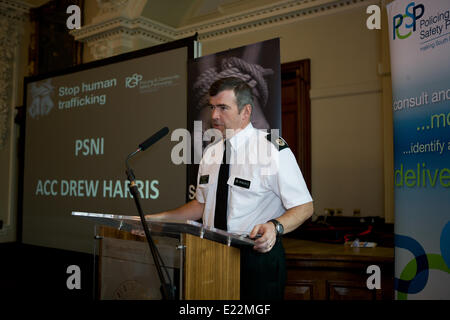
(153, 139)
(167, 288)
(146, 144)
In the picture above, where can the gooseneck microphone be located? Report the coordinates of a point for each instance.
(147, 143)
(154, 138)
(167, 288)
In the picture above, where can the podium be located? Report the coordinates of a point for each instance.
(202, 262)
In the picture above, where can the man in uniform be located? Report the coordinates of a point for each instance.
(248, 184)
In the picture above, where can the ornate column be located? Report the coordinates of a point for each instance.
(12, 16)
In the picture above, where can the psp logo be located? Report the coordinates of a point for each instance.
(133, 81)
(413, 12)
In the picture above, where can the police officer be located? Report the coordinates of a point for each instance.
(250, 183)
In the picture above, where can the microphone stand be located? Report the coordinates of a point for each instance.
(167, 289)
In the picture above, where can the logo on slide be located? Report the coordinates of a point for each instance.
(133, 81)
(413, 13)
(151, 85)
(42, 102)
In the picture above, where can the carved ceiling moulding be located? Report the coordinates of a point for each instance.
(14, 10)
(109, 9)
(123, 18)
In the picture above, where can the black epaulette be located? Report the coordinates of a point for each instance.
(279, 142)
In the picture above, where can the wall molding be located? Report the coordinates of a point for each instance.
(259, 18)
(15, 10)
(278, 14)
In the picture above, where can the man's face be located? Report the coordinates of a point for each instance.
(225, 114)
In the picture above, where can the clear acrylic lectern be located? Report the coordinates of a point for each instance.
(201, 262)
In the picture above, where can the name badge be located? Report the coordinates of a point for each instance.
(242, 183)
(204, 179)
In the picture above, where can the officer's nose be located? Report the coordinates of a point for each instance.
(215, 113)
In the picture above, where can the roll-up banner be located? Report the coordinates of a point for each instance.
(420, 64)
(258, 65)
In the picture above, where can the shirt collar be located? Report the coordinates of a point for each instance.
(241, 137)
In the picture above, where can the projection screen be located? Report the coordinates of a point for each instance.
(80, 127)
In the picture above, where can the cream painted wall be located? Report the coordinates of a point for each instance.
(347, 154)
(346, 114)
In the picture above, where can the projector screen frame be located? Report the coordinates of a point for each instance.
(188, 42)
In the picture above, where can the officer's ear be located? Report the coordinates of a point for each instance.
(247, 111)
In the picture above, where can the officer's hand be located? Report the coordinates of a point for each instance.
(155, 216)
(268, 237)
(138, 232)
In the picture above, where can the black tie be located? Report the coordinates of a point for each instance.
(220, 216)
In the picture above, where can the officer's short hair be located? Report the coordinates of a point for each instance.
(241, 90)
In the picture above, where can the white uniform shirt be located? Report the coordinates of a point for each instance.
(263, 181)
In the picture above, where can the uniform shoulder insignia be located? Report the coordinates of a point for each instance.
(279, 142)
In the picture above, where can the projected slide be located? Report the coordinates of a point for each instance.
(79, 129)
